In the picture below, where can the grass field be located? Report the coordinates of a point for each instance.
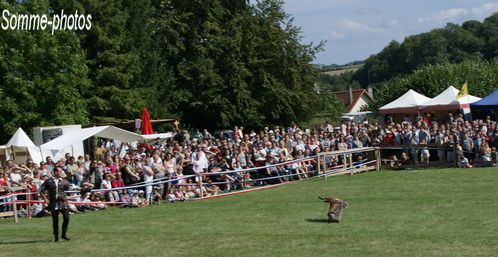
(447, 212)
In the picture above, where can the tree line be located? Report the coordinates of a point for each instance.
(473, 40)
(213, 64)
(430, 80)
(432, 61)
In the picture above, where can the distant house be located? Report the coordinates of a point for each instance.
(354, 100)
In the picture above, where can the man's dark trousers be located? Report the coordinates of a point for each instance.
(55, 222)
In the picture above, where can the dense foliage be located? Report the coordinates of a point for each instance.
(473, 40)
(41, 76)
(431, 80)
(339, 82)
(210, 63)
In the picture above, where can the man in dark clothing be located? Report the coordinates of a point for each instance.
(57, 201)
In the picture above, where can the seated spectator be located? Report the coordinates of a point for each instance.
(85, 198)
(360, 163)
(177, 195)
(110, 196)
(135, 200)
(404, 160)
(464, 162)
(212, 189)
(95, 201)
(494, 156)
(142, 201)
(156, 195)
(40, 210)
(189, 189)
(393, 161)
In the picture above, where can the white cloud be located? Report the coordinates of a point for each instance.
(461, 14)
(390, 23)
(485, 9)
(335, 34)
(353, 26)
(348, 26)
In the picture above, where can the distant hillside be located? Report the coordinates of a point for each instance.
(473, 40)
(329, 67)
(341, 70)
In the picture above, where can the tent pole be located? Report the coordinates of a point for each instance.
(41, 152)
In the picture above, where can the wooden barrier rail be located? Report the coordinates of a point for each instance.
(349, 165)
(13, 198)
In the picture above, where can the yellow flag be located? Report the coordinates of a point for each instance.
(464, 91)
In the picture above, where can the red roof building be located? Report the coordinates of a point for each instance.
(354, 100)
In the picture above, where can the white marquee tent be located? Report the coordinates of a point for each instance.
(19, 146)
(110, 132)
(447, 101)
(407, 103)
(20, 142)
(153, 137)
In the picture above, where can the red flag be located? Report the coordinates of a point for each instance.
(146, 127)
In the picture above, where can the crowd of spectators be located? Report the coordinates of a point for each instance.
(452, 139)
(198, 163)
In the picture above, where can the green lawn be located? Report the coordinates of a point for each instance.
(446, 212)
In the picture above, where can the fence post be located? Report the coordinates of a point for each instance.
(377, 157)
(351, 165)
(199, 181)
(318, 172)
(345, 161)
(14, 208)
(324, 167)
(28, 207)
(455, 161)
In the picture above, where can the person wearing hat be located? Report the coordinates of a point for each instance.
(135, 200)
(43, 170)
(57, 201)
(106, 185)
(15, 176)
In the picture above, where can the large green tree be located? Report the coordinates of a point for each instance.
(211, 63)
(115, 47)
(234, 63)
(41, 76)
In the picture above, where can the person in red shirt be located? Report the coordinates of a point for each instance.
(4, 183)
(118, 182)
(388, 137)
(427, 119)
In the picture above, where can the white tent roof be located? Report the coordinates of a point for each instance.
(410, 99)
(448, 97)
(73, 137)
(20, 142)
(20, 139)
(156, 136)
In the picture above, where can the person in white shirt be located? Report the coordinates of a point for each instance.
(148, 177)
(110, 195)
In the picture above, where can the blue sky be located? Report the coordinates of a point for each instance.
(355, 29)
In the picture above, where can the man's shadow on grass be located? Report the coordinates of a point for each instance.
(24, 242)
(318, 220)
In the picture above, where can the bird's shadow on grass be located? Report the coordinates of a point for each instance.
(24, 242)
(318, 220)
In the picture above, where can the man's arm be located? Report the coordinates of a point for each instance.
(41, 191)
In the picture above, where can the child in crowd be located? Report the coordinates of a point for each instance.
(424, 152)
(464, 162)
(135, 200)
